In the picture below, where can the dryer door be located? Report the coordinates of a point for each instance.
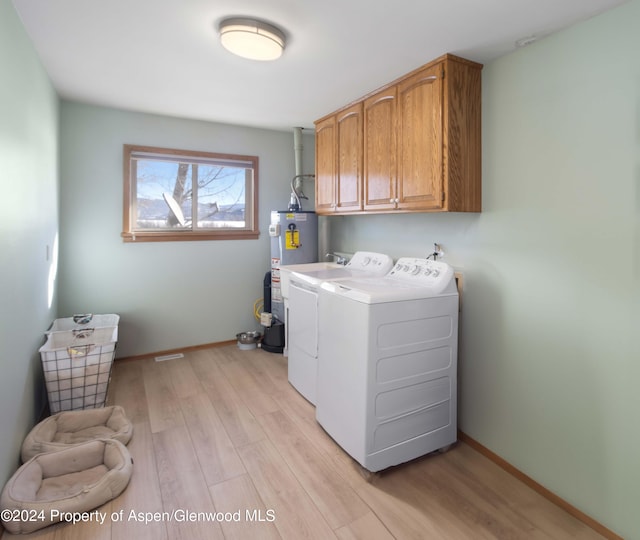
(303, 319)
(303, 339)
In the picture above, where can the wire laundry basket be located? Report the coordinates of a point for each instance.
(77, 367)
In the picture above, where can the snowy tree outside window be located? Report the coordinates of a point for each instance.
(186, 195)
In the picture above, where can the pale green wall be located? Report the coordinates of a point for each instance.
(549, 361)
(168, 294)
(28, 224)
(549, 355)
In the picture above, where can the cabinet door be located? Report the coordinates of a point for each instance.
(349, 155)
(380, 174)
(420, 139)
(326, 165)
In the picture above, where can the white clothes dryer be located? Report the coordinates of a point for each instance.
(387, 363)
(304, 322)
(285, 278)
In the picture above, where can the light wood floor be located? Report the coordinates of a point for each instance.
(222, 431)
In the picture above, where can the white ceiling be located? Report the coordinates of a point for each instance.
(164, 56)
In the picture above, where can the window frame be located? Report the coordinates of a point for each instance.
(128, 234)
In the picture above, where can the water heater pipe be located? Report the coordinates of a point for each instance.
(297, 148)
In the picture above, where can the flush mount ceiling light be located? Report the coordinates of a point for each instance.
(523, 42)
(251, 38)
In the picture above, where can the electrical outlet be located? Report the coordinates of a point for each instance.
(438, 252)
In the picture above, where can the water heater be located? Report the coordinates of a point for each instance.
(294, 240)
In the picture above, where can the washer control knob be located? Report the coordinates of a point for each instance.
(415, 270)
(366, 261)
(435, 273)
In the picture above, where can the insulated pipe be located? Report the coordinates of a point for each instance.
(297, 148)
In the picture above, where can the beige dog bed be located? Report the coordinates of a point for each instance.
(72, 427)
(77, 479)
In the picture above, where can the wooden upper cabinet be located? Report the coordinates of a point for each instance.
(349, 153)
(420, 144)
(420, 182)
(339, 162)
(462, 135)
(326, 165)
(380, 171)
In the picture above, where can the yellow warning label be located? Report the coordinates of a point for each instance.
(292, 240)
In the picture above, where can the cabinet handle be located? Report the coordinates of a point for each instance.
(392, 200)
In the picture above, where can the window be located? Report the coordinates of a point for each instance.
(172, 195)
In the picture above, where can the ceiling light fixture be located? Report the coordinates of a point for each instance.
(523, 42)
(251, 38)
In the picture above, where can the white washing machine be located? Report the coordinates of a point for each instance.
(304, 324)
(387, 363)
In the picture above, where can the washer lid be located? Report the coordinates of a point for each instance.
(316, 277)
(410, 279)
(362, 264)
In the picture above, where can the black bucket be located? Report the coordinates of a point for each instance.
(273, 339)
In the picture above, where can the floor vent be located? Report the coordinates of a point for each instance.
(169, 357)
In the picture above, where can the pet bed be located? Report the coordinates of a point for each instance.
(76, 479)
(72, 427)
